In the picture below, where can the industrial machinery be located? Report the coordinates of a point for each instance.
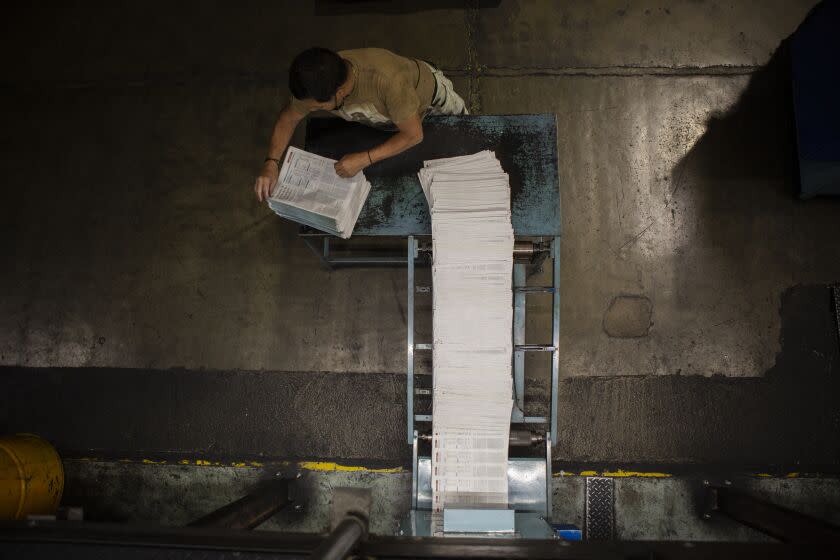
(526, 147)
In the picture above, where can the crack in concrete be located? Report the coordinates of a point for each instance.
(473, 69)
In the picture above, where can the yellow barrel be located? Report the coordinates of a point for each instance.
(31, 476)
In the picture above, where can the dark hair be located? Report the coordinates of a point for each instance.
(317, 73)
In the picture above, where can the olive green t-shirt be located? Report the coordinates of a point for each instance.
(388, 87)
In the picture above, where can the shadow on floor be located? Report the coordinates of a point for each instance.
(738, 190)
(787, 421)
(739, 186)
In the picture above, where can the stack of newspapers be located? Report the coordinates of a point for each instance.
(472, 240)
(310, 192)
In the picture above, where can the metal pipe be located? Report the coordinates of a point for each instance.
(342, 540)
(250, 511)
(516, 347)
(519, 281)
(411, 254)
(518, 438)
(555, 335)
(522, 249)
(414, 471)
(533, 348)
(549, 493)
(525, 438)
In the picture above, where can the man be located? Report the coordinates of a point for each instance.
(372, 86)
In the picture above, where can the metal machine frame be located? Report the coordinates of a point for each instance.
(529, 479)
(521, 290)
(319, 244)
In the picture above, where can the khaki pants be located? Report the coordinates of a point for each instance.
(445, 101)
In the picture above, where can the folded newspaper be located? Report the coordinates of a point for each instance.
(309, 191)
(472, 316)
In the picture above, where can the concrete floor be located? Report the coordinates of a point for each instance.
(131, 239)
(153, 253)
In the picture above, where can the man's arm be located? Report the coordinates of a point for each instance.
(410, 134)
(283, 130)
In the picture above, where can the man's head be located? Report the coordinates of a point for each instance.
(319, 77)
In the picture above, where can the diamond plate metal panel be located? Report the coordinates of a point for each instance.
(600, 509)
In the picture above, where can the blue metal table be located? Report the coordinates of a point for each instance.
(526, 146)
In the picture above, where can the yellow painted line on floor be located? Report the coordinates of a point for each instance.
(615, 474)
(631, 474)
(323, 466)
(620, 473)
(195, 462)
(314, 466)
(788, 475)
(234, 464)
(330, 466)
(639, 474)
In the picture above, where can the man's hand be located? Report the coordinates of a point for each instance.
(266, 181)
(351, 164)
